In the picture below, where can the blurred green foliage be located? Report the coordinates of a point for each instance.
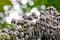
(37, 3)
(55, 3)
(4, 25)
(2, 3)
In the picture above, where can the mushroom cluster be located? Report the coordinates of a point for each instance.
(46, 26)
